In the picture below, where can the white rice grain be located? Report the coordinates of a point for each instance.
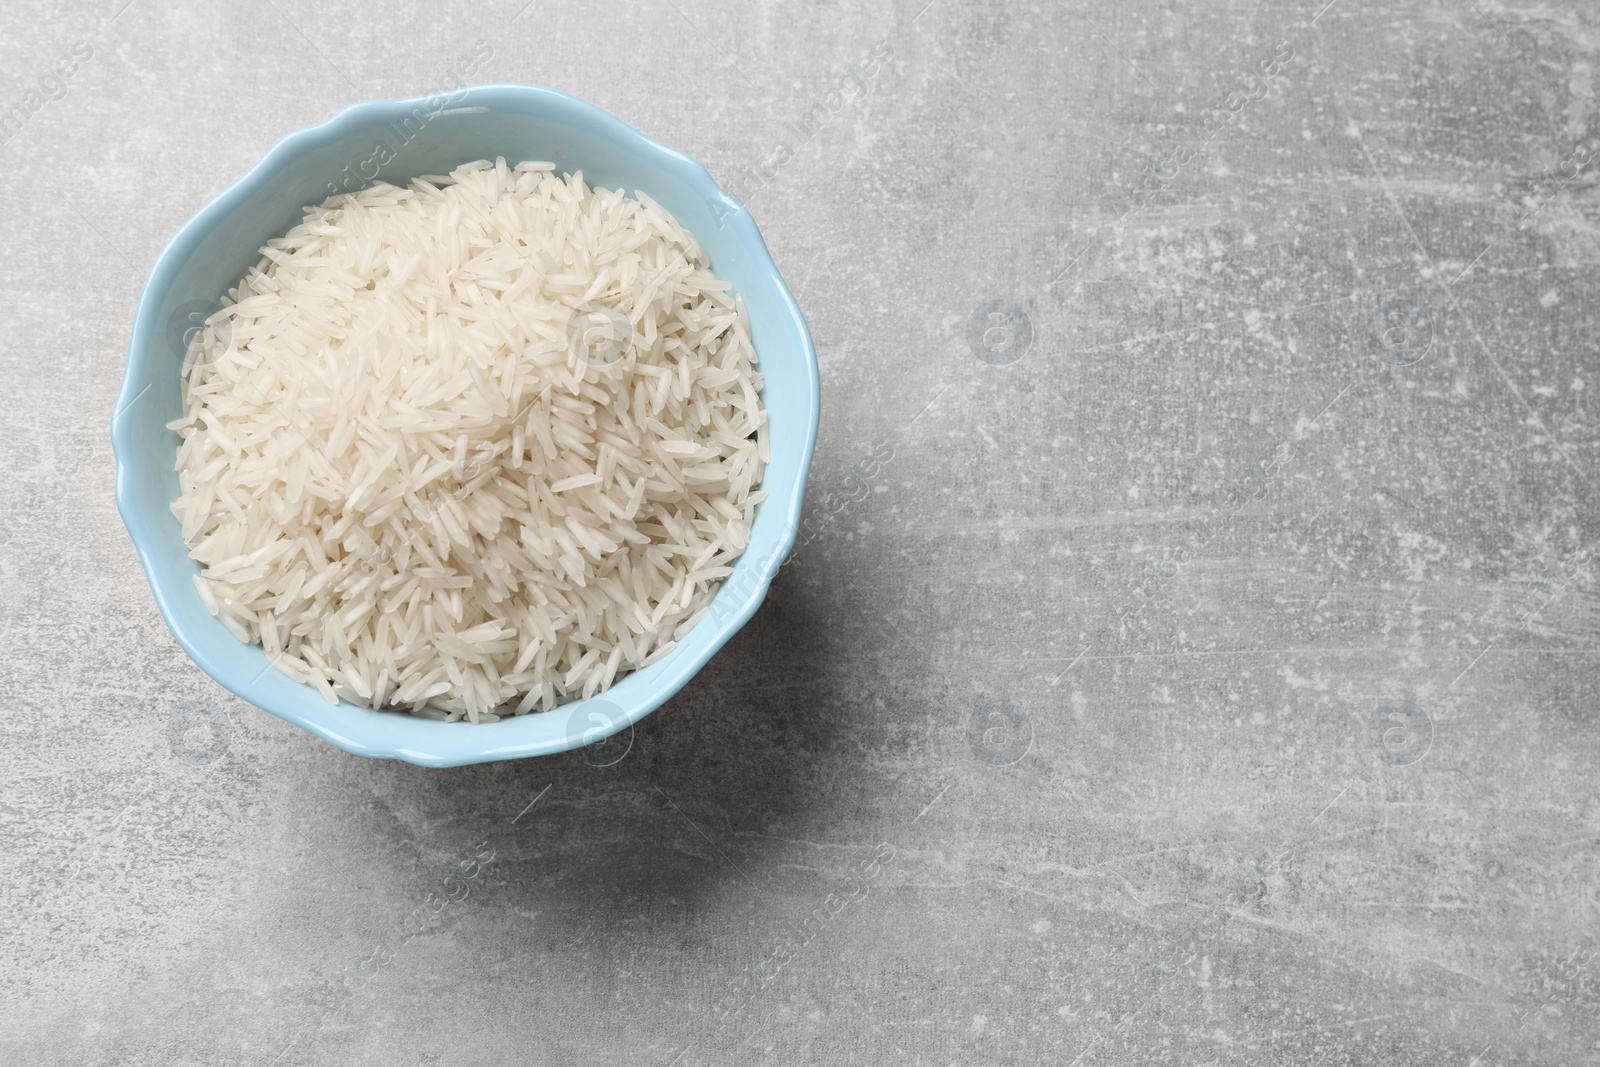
(422, 468)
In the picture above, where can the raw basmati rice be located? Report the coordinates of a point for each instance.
(473, 447)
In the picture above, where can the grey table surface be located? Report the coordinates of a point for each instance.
(1207, 675)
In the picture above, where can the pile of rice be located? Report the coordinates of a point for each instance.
(471, 448)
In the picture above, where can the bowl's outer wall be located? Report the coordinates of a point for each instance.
(432, 136)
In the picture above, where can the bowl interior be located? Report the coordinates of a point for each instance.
(396, 141)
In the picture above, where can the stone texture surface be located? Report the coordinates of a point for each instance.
(1208, 675)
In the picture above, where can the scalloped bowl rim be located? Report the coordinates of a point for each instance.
(472, 743)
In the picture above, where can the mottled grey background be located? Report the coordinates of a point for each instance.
(1191, 656)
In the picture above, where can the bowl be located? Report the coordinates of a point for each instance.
(396, 140)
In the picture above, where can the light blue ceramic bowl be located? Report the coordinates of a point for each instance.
(428, 136)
